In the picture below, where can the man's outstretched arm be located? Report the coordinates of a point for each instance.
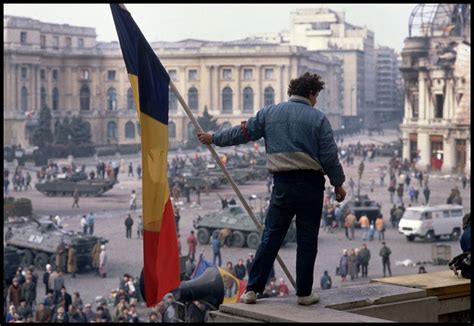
(250, 130)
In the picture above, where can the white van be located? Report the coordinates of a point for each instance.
(431, 222)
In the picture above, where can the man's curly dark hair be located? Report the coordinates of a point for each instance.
(306, 85)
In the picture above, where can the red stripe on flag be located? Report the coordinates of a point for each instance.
(161, 259)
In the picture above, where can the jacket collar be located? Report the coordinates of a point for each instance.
(300, 99)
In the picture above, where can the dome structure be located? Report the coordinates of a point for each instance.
(447, 19)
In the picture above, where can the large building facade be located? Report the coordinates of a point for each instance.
(436, 68)
(66, 69)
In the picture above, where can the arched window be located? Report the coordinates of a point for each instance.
(227, 99)
(43, 97)
(130, 100)
(55, 99)
(24, 99)
(171, 129)
(129, 130)
(248, 99)
(193, 99)
(191, 130)
(112, 99)
(111, 130)
(226, 125)
(268, 96)
(84, 98)
(173, 101)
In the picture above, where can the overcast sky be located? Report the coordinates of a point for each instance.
(216, 22)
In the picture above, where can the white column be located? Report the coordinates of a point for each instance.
(449, 154)
(425, 150)
(259, 99)
(282, 83)
(239, 107)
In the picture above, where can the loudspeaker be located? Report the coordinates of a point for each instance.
(208, 287)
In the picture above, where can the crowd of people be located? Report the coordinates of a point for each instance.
(22, 303)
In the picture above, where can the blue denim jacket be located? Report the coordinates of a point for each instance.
(297, 137)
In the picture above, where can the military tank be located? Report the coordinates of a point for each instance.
(244, 230)
(362, 205)
(65, 185)
(39, 238)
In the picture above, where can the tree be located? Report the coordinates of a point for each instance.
(62, 132)
(208, 122)
(80, 131)
(42, 134)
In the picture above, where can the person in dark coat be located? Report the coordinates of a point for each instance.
(28, 291)
(385, 254)
(239, 269)
(46, 275)
(343, 265)
(65, 299)
(14, 293)
(364, 255)
(128, 226)
(216, 249)
(249, 262)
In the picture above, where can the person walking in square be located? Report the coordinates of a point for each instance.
(128, 226)
(380, 226)
(192, 244)
(364, 255)
(385, 253)
(216, 249)
(76, 198)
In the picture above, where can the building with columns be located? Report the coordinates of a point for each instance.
(65, 68)
(436, 68)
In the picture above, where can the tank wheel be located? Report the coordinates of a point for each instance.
(41, 260)
(27, 257)
(410, 237)
(455, 235)
(238, 239)
(430, 237)
(52, 261)
(253, 240)
(203, 236)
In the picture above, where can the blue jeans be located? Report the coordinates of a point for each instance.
(302, 197)
(218, 256)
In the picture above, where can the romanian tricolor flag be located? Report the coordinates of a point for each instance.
(239, 286)
(150, 85)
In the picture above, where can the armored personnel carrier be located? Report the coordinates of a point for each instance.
(244, 231)
(362, 205)
(39, 238)
(64, 185)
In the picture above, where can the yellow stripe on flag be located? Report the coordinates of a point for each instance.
(134, 82)
(155, 176)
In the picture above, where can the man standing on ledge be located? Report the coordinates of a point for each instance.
(300, 150)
